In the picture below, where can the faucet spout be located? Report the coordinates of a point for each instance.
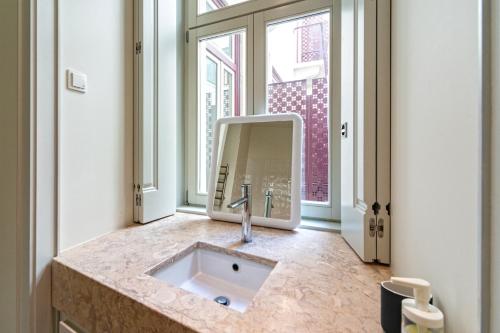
(237, 203)
(246, 213)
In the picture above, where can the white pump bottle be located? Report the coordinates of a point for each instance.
(418, 316)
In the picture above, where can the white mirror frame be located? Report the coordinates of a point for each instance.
(295, 213)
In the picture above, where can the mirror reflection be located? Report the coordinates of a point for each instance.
(259, 154)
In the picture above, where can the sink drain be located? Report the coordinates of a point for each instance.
(223, 300)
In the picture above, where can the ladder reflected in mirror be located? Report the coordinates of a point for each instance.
(221, 185)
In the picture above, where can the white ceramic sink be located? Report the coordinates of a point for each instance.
(211, 272)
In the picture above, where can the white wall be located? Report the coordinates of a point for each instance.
(436, 152)
(495, 241)
(96, 133)
(8, 164)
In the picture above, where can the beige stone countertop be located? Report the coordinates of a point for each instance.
(318, 284)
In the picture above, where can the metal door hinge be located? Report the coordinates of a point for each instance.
(138, 47)
(373, 227)
(376, 227)
(380, 228)
(138, 200)
(187, 36)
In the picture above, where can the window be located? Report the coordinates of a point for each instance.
(221, 85)
(205, 6)
(297, 81)
(218, 86)
(270, 61)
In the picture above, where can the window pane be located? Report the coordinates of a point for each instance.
(205, 6)
(297, 81)
(221, 72)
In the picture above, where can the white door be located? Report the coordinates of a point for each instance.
(154, 137)
(364, 146)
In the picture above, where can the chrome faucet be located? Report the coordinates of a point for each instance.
(246, 213)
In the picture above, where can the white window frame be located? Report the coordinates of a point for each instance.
(191, 138)
(255, 23)
(242, 9)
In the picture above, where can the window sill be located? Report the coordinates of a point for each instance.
(312, 224)
(198, 210)
(320, 225)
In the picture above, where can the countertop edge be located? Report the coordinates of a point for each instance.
(85, 291)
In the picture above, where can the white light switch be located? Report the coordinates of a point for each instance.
(77, 81)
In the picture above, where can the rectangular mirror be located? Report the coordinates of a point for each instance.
(265, 152)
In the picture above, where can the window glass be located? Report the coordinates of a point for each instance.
(221, 69)
(297, 67)
(205, 6)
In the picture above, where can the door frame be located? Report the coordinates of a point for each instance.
(384, 129)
